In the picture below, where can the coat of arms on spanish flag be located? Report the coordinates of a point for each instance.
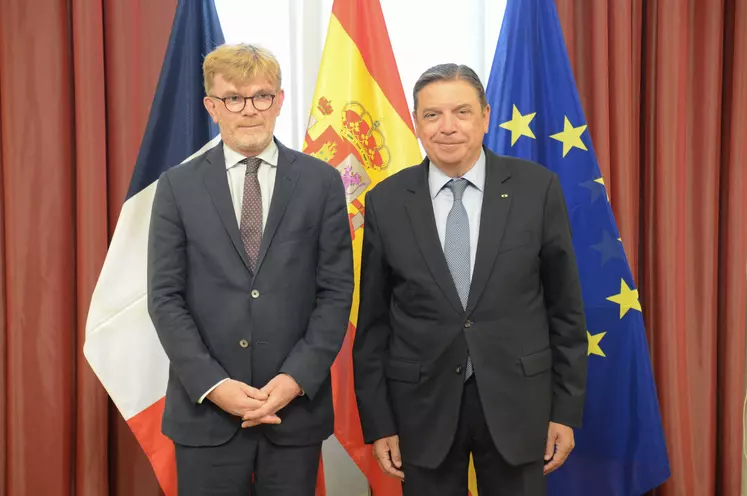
(359, 123)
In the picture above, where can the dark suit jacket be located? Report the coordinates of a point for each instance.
(524, 324)
(204, 301)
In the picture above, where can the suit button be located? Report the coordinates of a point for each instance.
(255, 294)
(468, 324)
(244, 343)
(459, 369)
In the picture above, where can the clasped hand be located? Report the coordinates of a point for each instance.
(255, 406)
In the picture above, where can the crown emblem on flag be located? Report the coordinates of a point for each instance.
(324, 106)
(362, 131)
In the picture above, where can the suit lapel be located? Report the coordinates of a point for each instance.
(423, 222)
(216, 182)
(496, 204)
(286, 178)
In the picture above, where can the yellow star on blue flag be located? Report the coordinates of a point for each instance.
(594, 340)
(627, 299)
(570, 136)
(519, 125)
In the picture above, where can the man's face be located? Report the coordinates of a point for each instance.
(451, 124)
(250, 130)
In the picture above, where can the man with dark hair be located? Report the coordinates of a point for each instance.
(471, 333)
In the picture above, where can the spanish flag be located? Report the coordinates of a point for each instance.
(360, 124)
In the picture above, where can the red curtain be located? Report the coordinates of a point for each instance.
(663, 85)
(76, 84)
(664, 88)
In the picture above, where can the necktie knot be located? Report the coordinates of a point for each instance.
(252, 164)
(457, 186)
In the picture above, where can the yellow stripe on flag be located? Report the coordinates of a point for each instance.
(472, 477)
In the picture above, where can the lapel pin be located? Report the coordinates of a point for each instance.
(504, 195)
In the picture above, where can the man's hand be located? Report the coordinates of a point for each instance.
(279, 392)
(386, 451)
(559, 445)
(236, 397)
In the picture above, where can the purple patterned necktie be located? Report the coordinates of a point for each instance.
(251, 211)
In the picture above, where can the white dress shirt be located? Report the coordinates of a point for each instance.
(236, 170)
(266, 175)
(443, 200)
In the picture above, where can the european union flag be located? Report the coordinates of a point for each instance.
(537, 115)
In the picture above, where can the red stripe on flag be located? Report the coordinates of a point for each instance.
(159, 449)
(348, 425)
(363, 21)
(357, 204)
(321, 489)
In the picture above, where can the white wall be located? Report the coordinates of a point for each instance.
(423, 33)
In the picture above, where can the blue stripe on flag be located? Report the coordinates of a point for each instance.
(178, 124)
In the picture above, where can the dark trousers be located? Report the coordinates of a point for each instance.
(495, 477)
(227, 470)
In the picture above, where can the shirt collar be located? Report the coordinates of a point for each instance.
(476, 176)
(269, 155)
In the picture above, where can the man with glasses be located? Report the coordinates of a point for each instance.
(250, 283)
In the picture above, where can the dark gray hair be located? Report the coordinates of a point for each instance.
(450, 72)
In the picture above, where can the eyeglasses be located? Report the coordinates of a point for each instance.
(236, 103)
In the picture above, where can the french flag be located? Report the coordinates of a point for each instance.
(121, 344)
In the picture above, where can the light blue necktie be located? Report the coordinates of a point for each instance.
(457, 248)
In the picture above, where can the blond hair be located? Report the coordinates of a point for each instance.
(239, 64)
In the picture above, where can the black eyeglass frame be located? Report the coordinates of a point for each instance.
(254, 104)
